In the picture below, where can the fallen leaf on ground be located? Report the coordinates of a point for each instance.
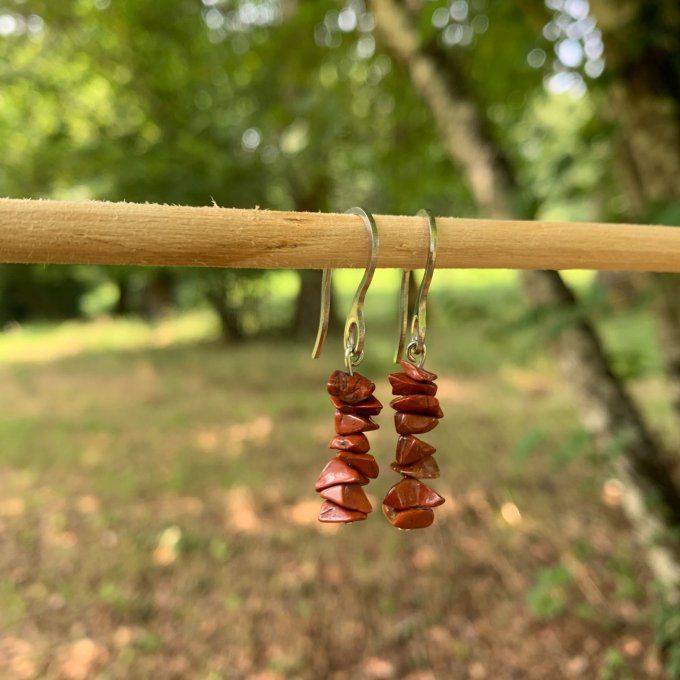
(79, 660)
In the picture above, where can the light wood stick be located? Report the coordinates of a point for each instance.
(147, 234)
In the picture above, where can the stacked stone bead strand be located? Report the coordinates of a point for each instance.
(408, 504)
(341, 482)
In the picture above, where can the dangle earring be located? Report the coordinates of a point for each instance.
(408, 504)
(340, 482)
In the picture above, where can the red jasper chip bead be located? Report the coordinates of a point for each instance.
(425, 468)
(418, 403)
(415, 518)
(410, 449)
(330, 512)
(419, 374)
(356, 443)
(367, 407)
(412, 423)
(340, 482)
(351, 389)
(338, 472)
(402, 384)
(364, 462)
(410, 493)
(350, 496)
(408, 504)
(350, 423)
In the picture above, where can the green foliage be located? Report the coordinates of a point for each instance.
(664, 213)
(533, 442)
(527, 445)
(12, 603)
(126, 100)
(129, 101)
(148, 642)
(574, 445)
(667, 637)
(614, 666)
(549, 596)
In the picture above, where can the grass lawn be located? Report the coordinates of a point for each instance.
(158, 519)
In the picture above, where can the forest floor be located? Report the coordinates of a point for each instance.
(158, 519)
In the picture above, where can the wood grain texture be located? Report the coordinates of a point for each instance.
(146, 234)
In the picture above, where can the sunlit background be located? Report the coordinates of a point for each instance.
(161, 429)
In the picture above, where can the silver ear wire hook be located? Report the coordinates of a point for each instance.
(416, 351)
(403, 313)
(355, 326)
(324, 313)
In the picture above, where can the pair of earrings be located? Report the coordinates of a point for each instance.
(409, 503)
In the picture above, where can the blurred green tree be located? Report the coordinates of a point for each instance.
(127, 101)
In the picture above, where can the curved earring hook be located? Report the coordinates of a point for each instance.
(403, 313)
(355, 326)
(324, 313)
(416, 350)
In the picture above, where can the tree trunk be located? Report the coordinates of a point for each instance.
(617, 425)
(464, 128)
(623, 290)
(668, 311)
(230, 321)
(159, 294)
(642, 43)
(123, 305)
(306, 316)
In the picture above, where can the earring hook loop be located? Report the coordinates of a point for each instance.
(416, 349)
(355, 326)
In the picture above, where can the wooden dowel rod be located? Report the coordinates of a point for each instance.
(145, 234)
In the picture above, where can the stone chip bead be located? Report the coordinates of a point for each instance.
(415, 518)
(350, 423)
(417, 373)
(409, 503)
(418, 403)
(330, 512)
(350, 496)
(338, 472)
(410, 493)
(367, 407)
(364, 462)
(404, 385)
(411, 449)
(356, 443)
(340, 482)
(414, 423)
(425, 468)
(351, 389)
